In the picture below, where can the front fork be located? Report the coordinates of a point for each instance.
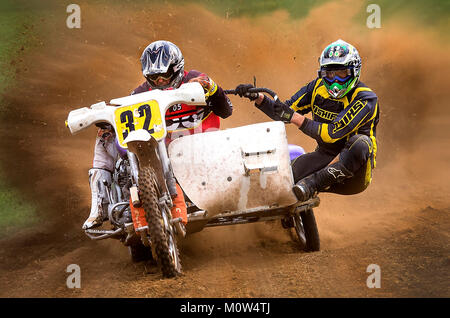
(134, 166)
(167, 168)
(155, 154)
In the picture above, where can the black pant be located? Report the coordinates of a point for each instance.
(356, 156)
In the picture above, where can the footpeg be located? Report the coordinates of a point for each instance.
(102, 234)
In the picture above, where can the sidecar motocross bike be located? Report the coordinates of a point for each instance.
(233, 176)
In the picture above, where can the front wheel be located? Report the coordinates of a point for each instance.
(162, 236)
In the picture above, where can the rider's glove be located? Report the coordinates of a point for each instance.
(105, 131)
(104, 125)
(283, 111)
(207, 83)
(242, 91)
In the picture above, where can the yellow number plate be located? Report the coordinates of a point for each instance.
(139, 116)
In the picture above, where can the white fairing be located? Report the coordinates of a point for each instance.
(189, 93)
(82, 118)
(236, 169)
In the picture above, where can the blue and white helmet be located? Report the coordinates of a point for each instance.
(162, 58)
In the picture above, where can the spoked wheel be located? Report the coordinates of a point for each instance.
(171, 242)
(305, 227)
(162, 234)
(300, 231)
(311, 231)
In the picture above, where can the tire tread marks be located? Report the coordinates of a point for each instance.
(158, 237)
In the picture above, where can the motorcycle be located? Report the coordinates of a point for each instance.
(233, 176)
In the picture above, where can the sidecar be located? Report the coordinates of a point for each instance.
(242, 175)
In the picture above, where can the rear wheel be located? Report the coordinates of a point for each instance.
(162, 235)
(139, 252)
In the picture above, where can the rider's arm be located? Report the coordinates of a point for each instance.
(220, 103)
(361, 110)
(300, 101)
(216, 99)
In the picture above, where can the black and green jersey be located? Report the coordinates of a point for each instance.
(334, 121)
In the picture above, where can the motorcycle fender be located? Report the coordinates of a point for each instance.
(144, 146)
(138, 135)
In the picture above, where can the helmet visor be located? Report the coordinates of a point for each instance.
(154, 78)
(340, 75)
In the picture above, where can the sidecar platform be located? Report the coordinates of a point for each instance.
(198, 220)
(237, 175)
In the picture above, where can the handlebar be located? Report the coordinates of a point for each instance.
(254, 90)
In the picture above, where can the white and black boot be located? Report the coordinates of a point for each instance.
(96, 176)
(309, 186)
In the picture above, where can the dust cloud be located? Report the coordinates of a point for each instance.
(73, 68)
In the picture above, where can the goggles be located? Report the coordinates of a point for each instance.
(155, 77)
(336, 75)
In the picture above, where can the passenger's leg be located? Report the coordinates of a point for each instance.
(354, 157)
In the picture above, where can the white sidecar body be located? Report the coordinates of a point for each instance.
(239, 169)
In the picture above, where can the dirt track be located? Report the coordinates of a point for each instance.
(400, 223)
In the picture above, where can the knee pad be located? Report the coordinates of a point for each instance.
(356, 152)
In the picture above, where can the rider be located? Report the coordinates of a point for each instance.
(163, 68)
(345, 114)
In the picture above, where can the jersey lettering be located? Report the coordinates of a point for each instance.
(349, 115)
(325, 114)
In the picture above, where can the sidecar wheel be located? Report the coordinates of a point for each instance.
(297, 224)
(162, 234)
(311, 231)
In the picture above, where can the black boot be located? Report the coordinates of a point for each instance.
(309, 186)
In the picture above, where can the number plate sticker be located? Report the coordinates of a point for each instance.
(139, 116)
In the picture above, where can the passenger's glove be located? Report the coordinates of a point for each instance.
(283, 111)
(242, 91)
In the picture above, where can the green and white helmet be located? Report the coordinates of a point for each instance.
(340, 68)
